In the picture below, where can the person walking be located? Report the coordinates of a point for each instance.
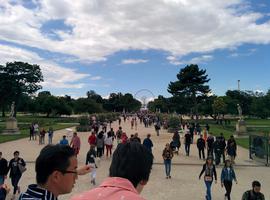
(167, 157)
(100, 144)
(231, 149)
(3, 169)
(75, 143)
(201, 147)
(147, 142)
(92, 139)
(64, 140)
(227, 176)
(254, 193)
(188, 141)
(209, 171)
(50, 135)
(210, 141)
(108, 141)
(15, 172)
(90, 159)
(31, 132)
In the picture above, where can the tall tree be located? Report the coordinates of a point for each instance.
(23, 78)
(191, 84)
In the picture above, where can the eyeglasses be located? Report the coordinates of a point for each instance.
(69, 172)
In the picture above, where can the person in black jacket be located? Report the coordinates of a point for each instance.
(15, 173)
(3, 169)
(201, 147)
(90, 159)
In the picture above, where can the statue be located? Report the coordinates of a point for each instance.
(239, 111)
(12, 107)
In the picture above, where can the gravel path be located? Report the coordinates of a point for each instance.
(185, 170)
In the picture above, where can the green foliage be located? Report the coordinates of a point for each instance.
(191, 84)
(20, 78)
(173, 124)
(119, 102)
(84, 105)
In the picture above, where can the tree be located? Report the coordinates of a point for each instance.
(85, 105)
(191, 84)
(219, 107)
(21, 78)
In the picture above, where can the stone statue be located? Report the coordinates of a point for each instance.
(12, 107)
(239, 111)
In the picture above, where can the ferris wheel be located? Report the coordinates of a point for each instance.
(144, 96)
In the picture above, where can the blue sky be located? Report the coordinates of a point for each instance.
(127, 45)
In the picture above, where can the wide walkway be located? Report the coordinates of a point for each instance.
(185, 170)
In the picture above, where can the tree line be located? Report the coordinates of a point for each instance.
(20, 81)
(191, 94)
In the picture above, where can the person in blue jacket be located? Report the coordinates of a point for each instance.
(227, 177)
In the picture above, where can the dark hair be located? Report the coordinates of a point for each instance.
(131, 161)
(16, 152)
(256, 183)
(51, 158)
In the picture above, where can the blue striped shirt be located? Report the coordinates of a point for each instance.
(34, 192)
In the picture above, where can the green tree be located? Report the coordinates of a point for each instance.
(219, 107)
(21, 78)
(191, 84)
(85, 105)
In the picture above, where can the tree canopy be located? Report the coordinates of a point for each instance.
(190, 84)
(18, 78)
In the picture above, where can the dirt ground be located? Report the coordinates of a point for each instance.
(185, 170)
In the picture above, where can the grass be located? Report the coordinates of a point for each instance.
(253, 127)
(24, 122)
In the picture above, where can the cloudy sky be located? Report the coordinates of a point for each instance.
(128, 45)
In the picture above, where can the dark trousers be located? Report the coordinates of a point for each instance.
(201, 153)
(187, 148)
(228, 188)
(99, 151)
(14, 181)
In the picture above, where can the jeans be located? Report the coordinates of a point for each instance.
(208, 185)
(167, 164)
(187, 148)
(50, 139)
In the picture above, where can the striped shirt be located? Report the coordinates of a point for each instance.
(34, 192)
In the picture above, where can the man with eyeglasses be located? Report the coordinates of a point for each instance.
(56, 173)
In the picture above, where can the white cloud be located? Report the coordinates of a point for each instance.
(196, 60)
(134, 61)
(103, 27)
(95, 78)
(173, 60)
(55, 76)
(200, 59)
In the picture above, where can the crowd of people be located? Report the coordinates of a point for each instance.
(57, 170)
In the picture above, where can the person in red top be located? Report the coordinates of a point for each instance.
(92, 140)
(75, 143)
(124, 138)
(127, 176)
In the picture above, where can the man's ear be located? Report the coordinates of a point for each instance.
(56, 176)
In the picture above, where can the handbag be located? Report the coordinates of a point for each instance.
(22, 168)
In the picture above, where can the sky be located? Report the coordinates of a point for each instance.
(136, 46)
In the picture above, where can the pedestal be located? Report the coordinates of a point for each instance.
(11, 127)
(241, 128)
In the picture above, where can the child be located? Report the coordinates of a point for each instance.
(90, 159)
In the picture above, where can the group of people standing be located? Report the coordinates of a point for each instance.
(35, 132)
